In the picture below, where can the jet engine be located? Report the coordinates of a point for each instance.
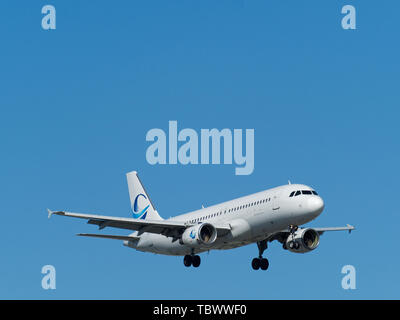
(302, 241)
(199, 235)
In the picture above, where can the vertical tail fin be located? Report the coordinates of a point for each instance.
(142, 207)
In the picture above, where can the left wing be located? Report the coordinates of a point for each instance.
(322, 230)
(282, 235)
(169, 228)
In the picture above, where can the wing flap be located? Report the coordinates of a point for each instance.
(108, 236)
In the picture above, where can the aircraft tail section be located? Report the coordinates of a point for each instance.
(141, 205)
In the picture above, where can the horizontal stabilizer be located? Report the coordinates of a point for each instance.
(108, 236)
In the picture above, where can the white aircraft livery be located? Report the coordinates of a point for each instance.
(273, 214)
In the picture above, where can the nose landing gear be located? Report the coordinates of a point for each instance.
(293, 244)
(260, 262)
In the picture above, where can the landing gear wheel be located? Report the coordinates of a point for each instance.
(196, 261)
(294, 245)
(260, 262)
(187, 260)
(256, 263)
(264, 264)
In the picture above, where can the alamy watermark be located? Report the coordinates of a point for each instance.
(349, 20)
(49, 20)
(195, 151)
(49, 280)
(349, 280)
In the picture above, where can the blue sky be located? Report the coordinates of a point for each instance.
(76, 104)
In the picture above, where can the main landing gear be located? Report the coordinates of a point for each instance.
(191, 260)
(260, 262)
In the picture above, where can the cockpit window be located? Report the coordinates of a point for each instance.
(299, 192)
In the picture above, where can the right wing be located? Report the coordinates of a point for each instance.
(169, 228)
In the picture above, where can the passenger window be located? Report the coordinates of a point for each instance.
(297, 193)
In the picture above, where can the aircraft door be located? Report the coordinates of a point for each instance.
(275, 203)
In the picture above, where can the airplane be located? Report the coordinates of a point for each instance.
(270, 215)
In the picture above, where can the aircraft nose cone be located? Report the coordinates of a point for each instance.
(315, 205)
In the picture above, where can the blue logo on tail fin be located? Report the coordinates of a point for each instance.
(142, 214)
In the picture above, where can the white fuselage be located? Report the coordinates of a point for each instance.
(251, 218)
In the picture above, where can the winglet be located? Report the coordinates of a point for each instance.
(49, 213)
(350, 227)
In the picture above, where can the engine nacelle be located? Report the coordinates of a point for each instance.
(303, 240)
(199, 235)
